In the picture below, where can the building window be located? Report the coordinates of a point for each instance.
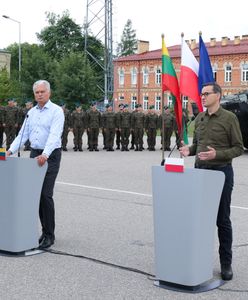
(158, 103)
(121, 98)
(228, 73)
(158, 76)
(214, 68)
(170, 101)
(185, 102)
(121, 77)
(244, 72)
(133, 102)
(145, 76)
(134, 76)
(145, 102)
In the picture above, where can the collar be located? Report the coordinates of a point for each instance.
(47, 105)
(217, 113)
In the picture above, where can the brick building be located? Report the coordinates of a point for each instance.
(137, 78)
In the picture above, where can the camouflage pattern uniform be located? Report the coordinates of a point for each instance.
(169, 123)
(94, 123)
(67, 125)
(2, 112)
(151, 125)
(118, 132)
(138, 125)
(125, 127)
(10, 123)
(109, 127)
(78, 122)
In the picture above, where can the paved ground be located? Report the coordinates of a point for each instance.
(104, 212)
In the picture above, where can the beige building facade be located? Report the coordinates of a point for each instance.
(5, 58)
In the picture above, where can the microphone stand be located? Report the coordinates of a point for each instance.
(19, 148)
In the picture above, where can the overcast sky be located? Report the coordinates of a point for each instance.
(150, 19)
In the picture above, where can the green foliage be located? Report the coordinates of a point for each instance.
(61, 37)
(128, 44)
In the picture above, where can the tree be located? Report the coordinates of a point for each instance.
(74, 80)
(61, 37)
(128, 44)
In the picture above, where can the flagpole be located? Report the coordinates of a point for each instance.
(162, 117)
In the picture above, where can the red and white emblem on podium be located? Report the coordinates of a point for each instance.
(173, 164)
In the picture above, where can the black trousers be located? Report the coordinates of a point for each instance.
(223, 218)
(47, 210)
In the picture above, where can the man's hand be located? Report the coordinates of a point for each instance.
(41, 159)
(184, 150)
(207, 155)
(8, 153)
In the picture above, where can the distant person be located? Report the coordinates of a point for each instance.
(43, 129)
(217, 140)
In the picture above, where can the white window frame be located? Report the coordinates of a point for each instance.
(145, 102)
(121, 77)
(158, 103)
(133, 102)
(228, 73)
(185, 101)
(169, 101)
(134, 76)
(158, 76)
(145, 75)
(244, 72)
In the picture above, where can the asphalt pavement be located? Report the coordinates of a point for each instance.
(104, 246)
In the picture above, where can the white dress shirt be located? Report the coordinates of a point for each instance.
(43, 128)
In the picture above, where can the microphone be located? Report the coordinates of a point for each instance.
(25, 122)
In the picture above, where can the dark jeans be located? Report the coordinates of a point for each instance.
(223, 218)
(46, 210)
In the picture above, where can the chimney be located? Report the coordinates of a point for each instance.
(193, 44)
(236, 40)
(212, 42)
(142, 46)
(224, 41)
(245, 37)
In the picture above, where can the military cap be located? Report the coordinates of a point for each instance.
(166, 107)
(11, 99)
(126, 106)
(136, 105)
(28, 101)
(121, 105)
(61, 103)
(93, 103)
(107, 105)
(77, 104)
(151, 107)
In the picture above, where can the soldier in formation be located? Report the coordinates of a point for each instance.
(94, 122)
(125, 127)
(78, 121)
(138, 125)
(151, 125)
(109, 125)
(169, 122)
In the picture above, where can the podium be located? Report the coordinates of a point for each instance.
(20, 188)
(185, 207)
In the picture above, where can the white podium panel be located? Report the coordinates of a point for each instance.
(20, 187)
(185, 207)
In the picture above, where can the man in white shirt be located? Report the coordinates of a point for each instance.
(43, 127)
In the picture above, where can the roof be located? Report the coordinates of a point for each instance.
(175, 51)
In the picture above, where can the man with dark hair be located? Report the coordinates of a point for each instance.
(217, 140)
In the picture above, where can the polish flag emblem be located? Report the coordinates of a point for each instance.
(173, 164)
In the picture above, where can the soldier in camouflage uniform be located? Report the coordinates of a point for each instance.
(118, 132)
(25, 110)
(94, 122)
(2, 111)
(151, 125)
(109, 127)
(169, 123)
(138, 125)
(67, 126)
(132, 131)
(10, 122)
(20, 118)
(78, 123)
(125, 128)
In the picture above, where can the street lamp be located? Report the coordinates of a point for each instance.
(19, 23)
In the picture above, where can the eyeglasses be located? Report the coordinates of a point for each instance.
(207, 94)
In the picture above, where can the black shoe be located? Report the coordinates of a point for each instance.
(46, 242)
(96, 149)
(136, 149)
(132, 147)
(90, 149)
(41, 238)
(64, 149)
(126, 149)
(80, 149)
(118, 148)
(122, 149)
(75, 149)
(226, 272)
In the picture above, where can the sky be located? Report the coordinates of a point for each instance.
(149, 18)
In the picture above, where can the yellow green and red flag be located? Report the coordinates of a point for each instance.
(170, 83)
(2, 153)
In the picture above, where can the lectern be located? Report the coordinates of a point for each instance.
(20, 187)
(185, 207)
